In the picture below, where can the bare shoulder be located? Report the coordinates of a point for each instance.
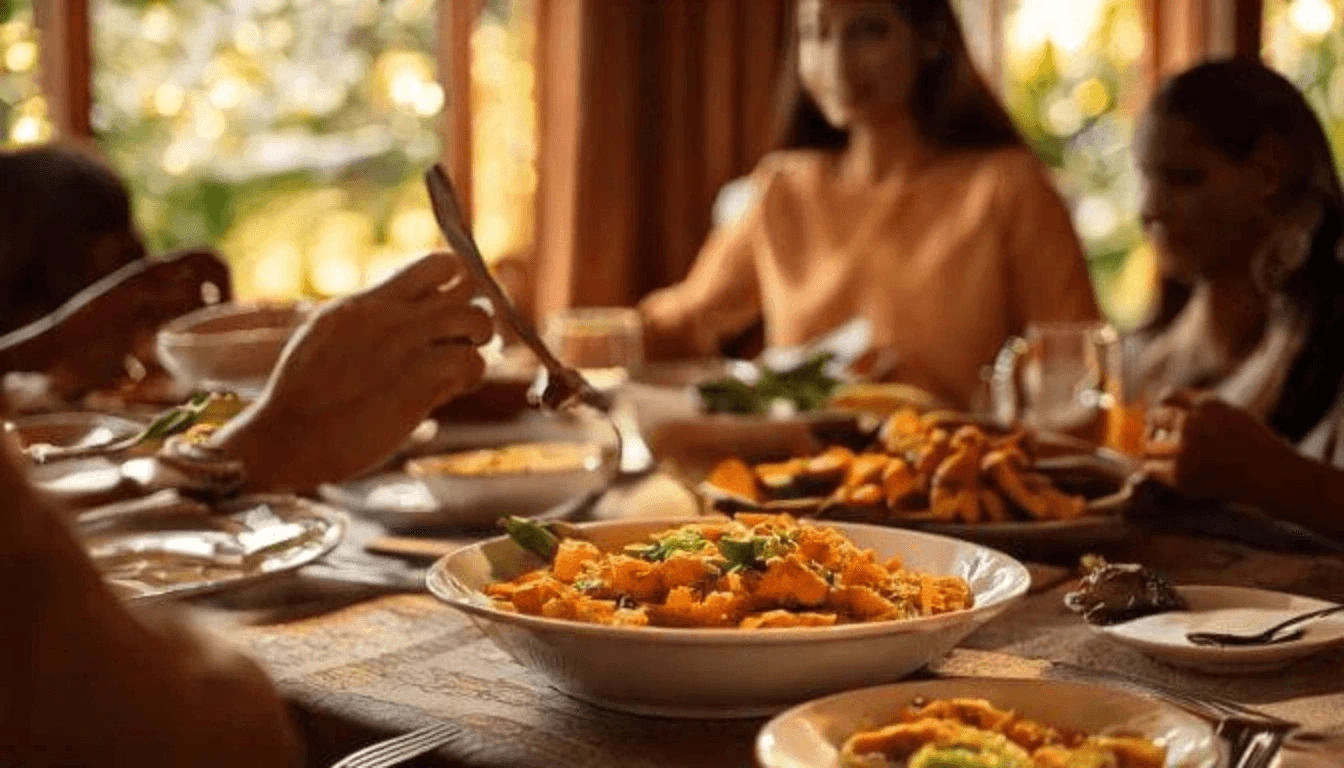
(1014, 167)
(790, 167)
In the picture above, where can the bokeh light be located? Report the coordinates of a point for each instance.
(23, 110)
(292, 135)
(1304, 39)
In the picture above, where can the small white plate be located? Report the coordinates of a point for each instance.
(811, 735)
(1229, 609)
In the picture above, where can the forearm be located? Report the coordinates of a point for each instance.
(1293, 487)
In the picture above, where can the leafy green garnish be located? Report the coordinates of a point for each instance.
(177, 419)
(589, 584)
(808, 387)
(662, 549)
(532, 536)
(753, 552)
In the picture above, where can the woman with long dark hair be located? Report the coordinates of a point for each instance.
(901, 192)
(1244, 206)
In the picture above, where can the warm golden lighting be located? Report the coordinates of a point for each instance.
(21, 56)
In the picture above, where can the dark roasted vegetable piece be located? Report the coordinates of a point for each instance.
(1111, 593)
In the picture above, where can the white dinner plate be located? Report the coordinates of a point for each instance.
(183, 550)
(811, 735)
(1235, 610)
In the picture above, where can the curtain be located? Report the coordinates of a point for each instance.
(1182, 33)
(647, 108)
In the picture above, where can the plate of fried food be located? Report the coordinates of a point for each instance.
(987, 723)
(946, 473)
(718, 617)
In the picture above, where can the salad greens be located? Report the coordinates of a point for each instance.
(807, 387)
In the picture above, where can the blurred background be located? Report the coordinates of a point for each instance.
(291, 134)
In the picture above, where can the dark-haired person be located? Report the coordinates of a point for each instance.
(900, 192)
(77, 292)
(1244, 206)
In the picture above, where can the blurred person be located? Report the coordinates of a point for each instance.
(900, 191)
(65, 223)
(70, 257)
(1243, 204)
(83, 680)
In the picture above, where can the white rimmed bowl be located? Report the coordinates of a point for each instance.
(811, 736)
(478, 501)
(229, 347)
(720, 673)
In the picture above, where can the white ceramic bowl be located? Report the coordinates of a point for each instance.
(726, 672)
(478, 501)
(810, 736)
(229, 347)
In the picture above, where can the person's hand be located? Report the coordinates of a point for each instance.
(360, 375)
(1199, 445)
(84, 344)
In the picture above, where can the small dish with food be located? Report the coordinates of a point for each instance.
(987, 723)
(478, 487)
(712, 618)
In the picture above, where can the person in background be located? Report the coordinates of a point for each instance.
(71, 260)
(901, 192)
(65, 224)
(1244, 205)
(83, 680)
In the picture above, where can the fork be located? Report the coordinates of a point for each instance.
(398, 750)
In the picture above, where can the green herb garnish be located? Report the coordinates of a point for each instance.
(662, 549)
(753, 552)
(808, 387)
(532, 536)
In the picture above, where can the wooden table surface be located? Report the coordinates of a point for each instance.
(362, 666)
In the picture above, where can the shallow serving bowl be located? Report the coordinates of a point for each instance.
(229, 347)
(811, 736)
(726, 672)
(478, 501)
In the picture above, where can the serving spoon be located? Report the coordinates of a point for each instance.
(1271, 636)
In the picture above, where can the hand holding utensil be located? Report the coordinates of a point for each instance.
(564, 384)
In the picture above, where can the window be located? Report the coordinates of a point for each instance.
(23, 110)
(1304, 39)
(293, 133)
(1072, 77)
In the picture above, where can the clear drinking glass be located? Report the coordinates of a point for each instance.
(1061, 377)
(605, 343)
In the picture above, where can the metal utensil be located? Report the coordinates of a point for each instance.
(564, 384)
(398, 750)
(1271, 636)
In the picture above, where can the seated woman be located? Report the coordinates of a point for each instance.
(1243, 202)
(900, 192)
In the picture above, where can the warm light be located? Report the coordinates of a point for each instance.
(1067, 24)
(1312, 18)
(247, 36)
(1096, 217)
(334, 275)
(21, 56)
(168, 99)
(414, 230)
(278, 270)
(1063, 118)
(29, 130)
(228, 92)
(1092, 97)
(429, 101)
(158, 25)
(177, 159)
(1127, 42)
(279, 33)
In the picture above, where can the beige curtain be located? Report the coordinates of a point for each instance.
(647, 108)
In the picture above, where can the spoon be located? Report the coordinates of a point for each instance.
(563, 384)
(1271, 636)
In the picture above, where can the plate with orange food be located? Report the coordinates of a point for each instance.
(988, 723)
(718, 617)
(949, 474)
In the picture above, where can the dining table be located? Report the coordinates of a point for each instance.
(360, 659)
